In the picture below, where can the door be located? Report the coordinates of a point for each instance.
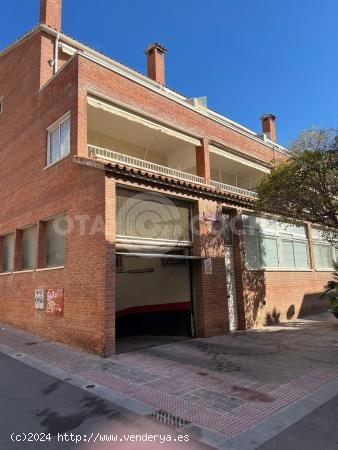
(231, 288)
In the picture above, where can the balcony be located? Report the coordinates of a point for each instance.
(236, 190)
(131, 161)
(117, 135)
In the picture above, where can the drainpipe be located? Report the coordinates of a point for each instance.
(56, 53)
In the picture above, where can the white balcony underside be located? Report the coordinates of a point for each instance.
(110, 155)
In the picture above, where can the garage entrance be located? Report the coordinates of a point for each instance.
(153, 264)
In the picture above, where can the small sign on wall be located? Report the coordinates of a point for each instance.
(211, 216)
(208, 266)
(55, 302)
(39, 298)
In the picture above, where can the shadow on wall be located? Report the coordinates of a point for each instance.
(255, 312)
(313, 302)
(254, 294)
(273, 318)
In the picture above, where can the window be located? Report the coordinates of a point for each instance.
(58, 141)
(324, 253)
(274, 244)
(29, 237)
(1, 104)
(8, 252)
(55, 241)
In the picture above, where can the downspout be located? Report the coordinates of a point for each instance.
(56, 53)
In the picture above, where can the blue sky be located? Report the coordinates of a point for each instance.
(246, 56)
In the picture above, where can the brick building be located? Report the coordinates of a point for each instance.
(126, 208)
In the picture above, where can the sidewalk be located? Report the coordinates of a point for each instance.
(220, 390)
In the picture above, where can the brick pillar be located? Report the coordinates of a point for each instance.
(110, 264)
(80, 121)
(41, 247)
(18, 251)
(203, 160)
(211, 306)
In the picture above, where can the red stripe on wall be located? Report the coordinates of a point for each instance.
(180, 306)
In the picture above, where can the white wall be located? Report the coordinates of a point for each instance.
(166, 284)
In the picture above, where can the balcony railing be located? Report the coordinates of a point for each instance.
(235, 189)
(142, 164)
(111, 155)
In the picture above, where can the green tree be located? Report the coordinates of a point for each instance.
(304, 187)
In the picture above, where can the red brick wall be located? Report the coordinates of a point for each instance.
(211, 292)
(116, 87)
(30, 193)
(266, 297)
(50, 13)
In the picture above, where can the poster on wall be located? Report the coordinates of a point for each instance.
(39, 298)
(55, 302)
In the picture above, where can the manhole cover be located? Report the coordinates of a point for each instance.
(169, 419)
(90, 386)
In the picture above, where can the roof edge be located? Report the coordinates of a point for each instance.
(139, 78)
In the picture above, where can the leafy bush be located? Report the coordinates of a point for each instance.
(331, 291)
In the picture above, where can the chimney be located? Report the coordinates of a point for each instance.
(269, 126)
(155, 62)
(50, 13)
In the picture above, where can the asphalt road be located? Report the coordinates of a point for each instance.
(316, 431)
(52, 412)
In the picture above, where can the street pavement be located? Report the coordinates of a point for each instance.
(316, 431)
(54, 414)
(233, 392)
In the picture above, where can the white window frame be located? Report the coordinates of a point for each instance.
(50, 130)
(279, 235)
(323, 243)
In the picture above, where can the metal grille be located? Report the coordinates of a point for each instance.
(169, 419)
(236, 190)
(142, 164)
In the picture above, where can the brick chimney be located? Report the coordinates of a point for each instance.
(50, 13)
(155, 62)
(269, 126)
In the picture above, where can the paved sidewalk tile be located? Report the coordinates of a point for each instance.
(228, 383)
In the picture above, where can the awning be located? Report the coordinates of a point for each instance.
(162, 256)
(108, 107)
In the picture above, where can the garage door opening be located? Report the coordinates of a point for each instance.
(153, 265)
(153, 298)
